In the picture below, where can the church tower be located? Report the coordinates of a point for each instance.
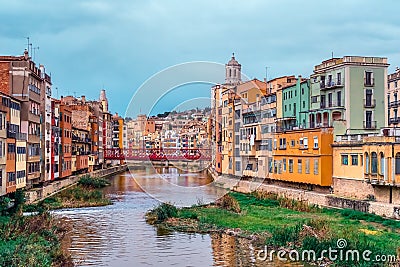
(103, 100)
(233, 70)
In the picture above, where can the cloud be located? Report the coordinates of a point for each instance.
(119, 44)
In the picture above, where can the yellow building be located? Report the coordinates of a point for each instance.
(367, 168)
(20, 162)
(303, 156)
(251, 93)
(227, 125)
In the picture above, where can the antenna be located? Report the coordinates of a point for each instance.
(266, 73)
(74, 92)
(28, 44)
(332, 54)
(34, 52)
(57, 91)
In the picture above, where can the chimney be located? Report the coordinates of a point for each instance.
(83, 98)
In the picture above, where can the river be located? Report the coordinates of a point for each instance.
(117, 235)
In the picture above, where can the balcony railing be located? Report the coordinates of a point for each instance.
(370, 124)
(334, 104)
(333, 83)
(394, 120)
(394, 104)
(369, 103)
(18, 136)
(369, 82)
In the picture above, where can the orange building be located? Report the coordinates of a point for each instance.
(66, 140)
(304, 156)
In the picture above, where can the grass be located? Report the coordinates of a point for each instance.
(86, 193)
(295, 224)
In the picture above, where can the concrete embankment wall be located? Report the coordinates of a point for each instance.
(316, 198)
(37, 194)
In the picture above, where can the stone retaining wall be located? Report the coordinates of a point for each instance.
(316, 198)
(36, 194)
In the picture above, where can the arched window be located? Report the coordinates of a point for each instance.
(366, 162)
(374, 163)
(230, 73)
(397, 163)
(382, 163)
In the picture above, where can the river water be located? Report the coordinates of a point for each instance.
(117, 235)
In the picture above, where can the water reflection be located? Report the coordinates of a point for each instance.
(118, 235)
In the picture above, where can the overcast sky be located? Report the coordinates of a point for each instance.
(118, 45)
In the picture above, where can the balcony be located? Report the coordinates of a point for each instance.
(394, 104)
(331, 84)
(32, 138)
(21, 136)
(33, 117)
(335, 104)
(369, 82)
(369, 124)
(34, 158)
(33, 175)
(369, 103)
(250, 173)
(18, 136)
(394, 120)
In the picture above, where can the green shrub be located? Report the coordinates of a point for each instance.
(162, 213)
(229, 203)
(90, 182)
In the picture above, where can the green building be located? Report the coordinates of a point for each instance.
(295, 106)
(349, 94)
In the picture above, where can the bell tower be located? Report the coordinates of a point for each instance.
(233, 70)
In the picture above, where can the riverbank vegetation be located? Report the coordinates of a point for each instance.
(281, 222)
(87, 193)
(30, 240)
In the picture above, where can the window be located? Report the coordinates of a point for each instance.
(307, 166)
(284, 164)
(305, 142)
(282, 143)
(382, 163)
(299, 166)
(397, 163)
(237, 163)
(366, 163)
(292, 143)
(316, 166)
(354, 160)
(345, 160)
(369, 78)
(314, 99)
(374, 163)
(291, 165)
(315, 141)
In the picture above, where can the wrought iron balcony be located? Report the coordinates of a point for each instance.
(369, 103)
(331, 83)
(369, 82)
(370, 124)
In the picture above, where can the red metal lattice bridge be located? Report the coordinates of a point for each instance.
(158, 154)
